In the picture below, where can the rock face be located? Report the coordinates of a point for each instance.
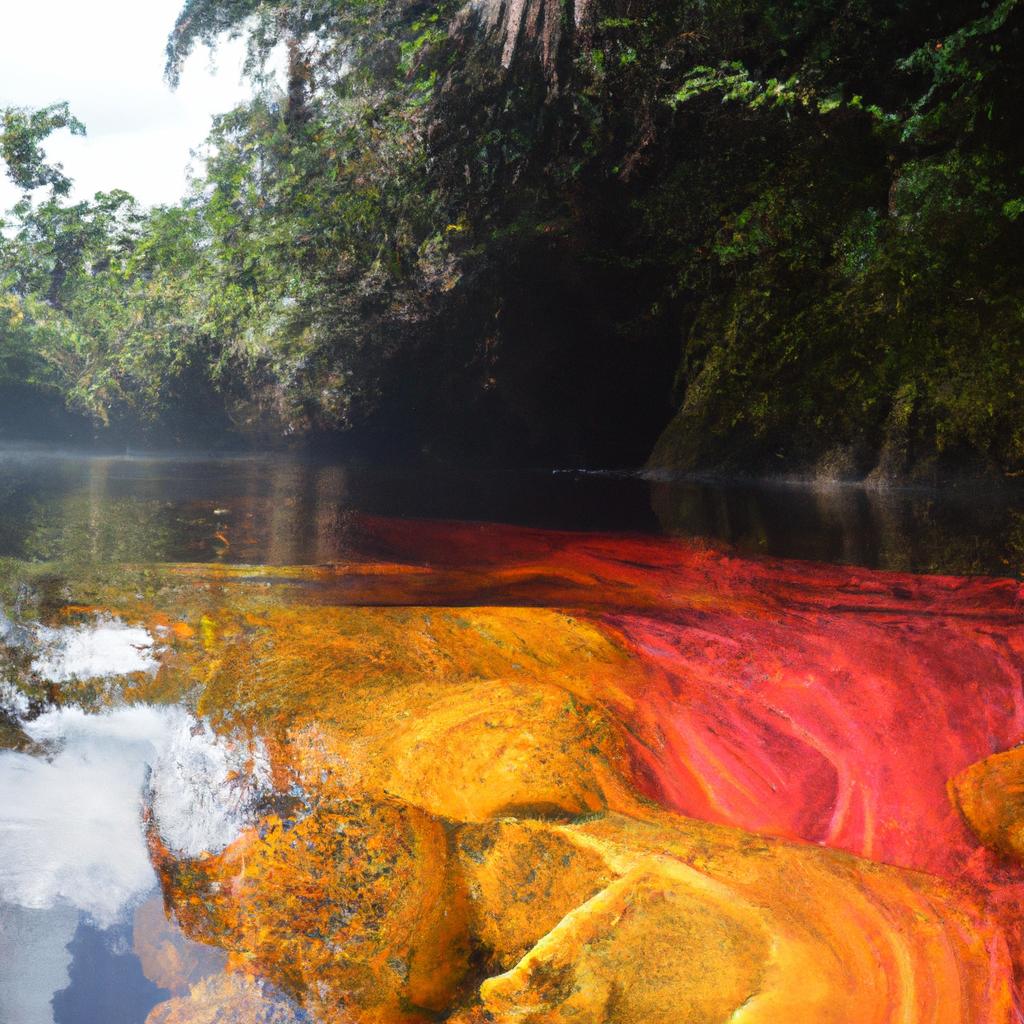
(757, 260)
(716, 790)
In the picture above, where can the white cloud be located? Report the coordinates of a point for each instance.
(102, 648)
(71, 830)
(106, 58)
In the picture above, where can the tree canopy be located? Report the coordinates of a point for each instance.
(22, 133)
(806, 215)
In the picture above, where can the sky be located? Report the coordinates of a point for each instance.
(106, 58)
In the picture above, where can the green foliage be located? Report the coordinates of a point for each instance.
(274, 285)
(819, 203)
(337, 36)
(859, 286)
(107, 300)
(322, 227)
(734, 82)
(21, 134)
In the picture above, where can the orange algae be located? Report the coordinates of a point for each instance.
(352, 909)
(707, 924)
(591, 779)
(990, 795)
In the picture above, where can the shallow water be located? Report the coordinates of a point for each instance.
(285, 741)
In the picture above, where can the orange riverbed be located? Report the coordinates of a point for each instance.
(541, 777)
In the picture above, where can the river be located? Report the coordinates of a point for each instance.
(289, 741)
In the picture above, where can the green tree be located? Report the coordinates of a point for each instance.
(22, 133)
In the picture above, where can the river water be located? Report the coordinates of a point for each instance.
(283, 740)
(57, 506)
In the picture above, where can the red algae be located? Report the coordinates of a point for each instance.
(821, 703)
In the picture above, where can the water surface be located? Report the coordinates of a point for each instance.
(277, 510)
(290, 741)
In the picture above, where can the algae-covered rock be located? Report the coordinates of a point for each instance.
(490, 814)
(522, 878)
(466, 713)
(990, 795)
(354, 909)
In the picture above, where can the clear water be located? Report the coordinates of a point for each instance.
(75, 874)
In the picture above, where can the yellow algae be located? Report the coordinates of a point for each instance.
(606, 919)
(643, 949)
(466, 713)
(990, 796)
(303, 662)
(763, 933)
(522, 878)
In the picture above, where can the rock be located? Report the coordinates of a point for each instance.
(523, 878)
(228, 999)
(353, 909)
(642, 811)
(706, 924)
(990, 796)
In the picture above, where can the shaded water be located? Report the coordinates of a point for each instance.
(160, 709)
(58, 506)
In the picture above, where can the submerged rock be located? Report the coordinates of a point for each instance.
(715, 790)
(990, 795)
(228, 999)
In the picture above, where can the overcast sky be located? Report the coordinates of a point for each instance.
(106, 58)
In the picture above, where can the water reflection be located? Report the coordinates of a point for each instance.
(961, 531)
(106, 980)
(98, 509)
(69, 508)
(85, 937)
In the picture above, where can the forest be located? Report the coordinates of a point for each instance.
(701, 236)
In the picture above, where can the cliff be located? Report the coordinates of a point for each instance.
(784, 241)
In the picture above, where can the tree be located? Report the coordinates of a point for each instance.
(22, 133)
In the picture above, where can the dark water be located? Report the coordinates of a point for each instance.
(68, 507)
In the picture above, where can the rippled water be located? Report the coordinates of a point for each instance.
(201, 658)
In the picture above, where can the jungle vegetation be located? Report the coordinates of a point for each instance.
(747, 236)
